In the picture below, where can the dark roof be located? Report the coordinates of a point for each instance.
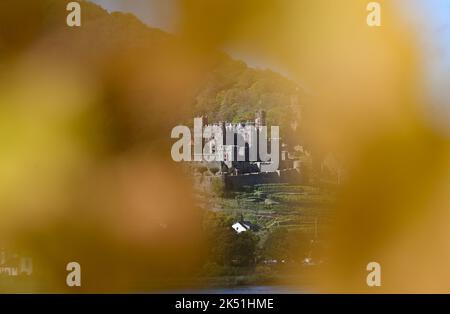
(250, 225)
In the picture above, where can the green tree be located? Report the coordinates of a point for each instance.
(244, 248)
(282, 244)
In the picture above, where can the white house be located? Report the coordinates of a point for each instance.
(240, 227)
(243, 225)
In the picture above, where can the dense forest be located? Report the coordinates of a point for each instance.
(234, 92)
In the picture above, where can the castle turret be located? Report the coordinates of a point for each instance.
(260, 118)
(204, 120)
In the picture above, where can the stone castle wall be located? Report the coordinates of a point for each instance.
(282, 176)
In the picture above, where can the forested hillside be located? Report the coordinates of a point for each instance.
(234, 92)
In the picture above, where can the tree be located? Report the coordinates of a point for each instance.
(226, 247)
(244, 248)
(282, 244)
(277, 245)
(214, 170)
(201, 169)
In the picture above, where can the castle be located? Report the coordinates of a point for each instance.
(237, 145)
(237, 154)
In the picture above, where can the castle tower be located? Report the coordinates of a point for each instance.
(260, 118)
(198, 138)
(260, 121)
